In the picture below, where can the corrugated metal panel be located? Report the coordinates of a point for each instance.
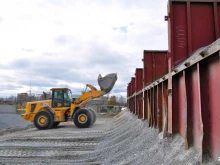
(132, 85)
(145, 109)
(165, 113)
(155, 109)
(209, 81)
(129, 89)
(155, 65)
(194, 122)
(132, 92)
(139, 86)
(192, 24)
(139, 106)
(139, 79)
(159, 107)
(179, 107)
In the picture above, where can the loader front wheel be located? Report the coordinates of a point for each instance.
(43, 120)
(82, 118)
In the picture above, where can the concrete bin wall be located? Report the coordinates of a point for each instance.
(7, 109)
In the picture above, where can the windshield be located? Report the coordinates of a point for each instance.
(68, 95)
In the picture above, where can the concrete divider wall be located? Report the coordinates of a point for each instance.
(7, 109)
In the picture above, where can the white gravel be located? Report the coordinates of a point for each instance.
(121, 140)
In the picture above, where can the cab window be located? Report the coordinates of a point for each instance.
(67, 98)
(57, 98)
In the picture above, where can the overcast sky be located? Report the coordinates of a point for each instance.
(68, 43)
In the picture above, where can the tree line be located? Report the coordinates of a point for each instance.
(21, 99)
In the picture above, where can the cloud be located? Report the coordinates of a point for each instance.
(61, 40)
(59, 43)
(20, 64)
(27, 50)
(122, 29)
(1, 19)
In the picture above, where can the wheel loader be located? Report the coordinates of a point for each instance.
(61, 107)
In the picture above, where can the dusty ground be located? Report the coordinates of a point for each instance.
(121, 140)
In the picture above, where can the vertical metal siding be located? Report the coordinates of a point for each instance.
(145, 99)
(191, 25)
(179, 107)
(155, 106)
(193, 111)
(210, 80)
(159, 107)
(140, 105)
(155, 65)
(165, 114)
(139, 79)
(148, 68)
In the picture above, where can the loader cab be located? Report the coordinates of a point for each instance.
(61, 97)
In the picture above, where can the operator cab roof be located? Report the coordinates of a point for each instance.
(59, 89)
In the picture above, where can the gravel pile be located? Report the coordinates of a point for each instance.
(131, 141)
(121, 140)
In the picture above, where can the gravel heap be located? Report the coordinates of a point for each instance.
(130, 141)
(121, 140)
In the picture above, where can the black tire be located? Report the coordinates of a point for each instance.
(55, 124)
(94, 116)
(44, 120)
(84, 114)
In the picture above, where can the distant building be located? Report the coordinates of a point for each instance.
(110, 108)
(96, 103)
(21, 97)
(25, 97)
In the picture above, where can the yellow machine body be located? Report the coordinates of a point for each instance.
(61, 112)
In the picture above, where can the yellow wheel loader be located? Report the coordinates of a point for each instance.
(47, 114)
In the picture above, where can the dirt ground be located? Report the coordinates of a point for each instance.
(120, 140)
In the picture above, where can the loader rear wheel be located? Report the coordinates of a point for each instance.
(94, 116)
(82, 118)
(44, 120)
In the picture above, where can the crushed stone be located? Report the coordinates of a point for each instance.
(119, 140)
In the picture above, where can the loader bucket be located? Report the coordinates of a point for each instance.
(107, 82)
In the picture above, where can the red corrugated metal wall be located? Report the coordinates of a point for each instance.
(210, 88)
(192, 25)
(139, 86)
(155, 65)
(193, 107)
(184, 99)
